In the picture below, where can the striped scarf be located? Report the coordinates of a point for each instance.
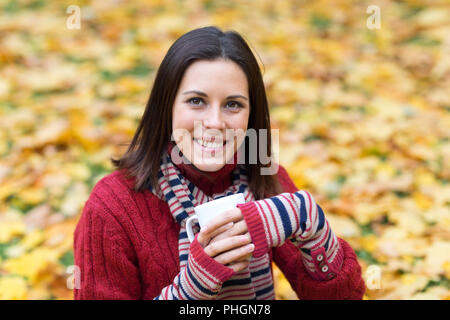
(254, 282)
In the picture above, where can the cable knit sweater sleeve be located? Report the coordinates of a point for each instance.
(201, 279)
(347, 283)
(297, 217)
(106, 255)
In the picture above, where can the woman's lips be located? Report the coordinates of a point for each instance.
(209, 149)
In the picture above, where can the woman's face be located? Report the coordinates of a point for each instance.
(212, 103)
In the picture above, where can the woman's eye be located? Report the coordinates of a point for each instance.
(195, 101)
(234, 105)
(230, 105)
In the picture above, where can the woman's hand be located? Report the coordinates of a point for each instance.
(239, 227)
(226, 239)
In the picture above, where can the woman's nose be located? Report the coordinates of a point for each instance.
(214, 118)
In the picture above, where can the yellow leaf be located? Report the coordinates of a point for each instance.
(408, 279)
(4, 88)
(343, 227)
(32, 195)
(13, 288)
(422, 201)
(283, 114)
(434, 293)
(78, 171)
(88, 136)
(75, 199)
(385, 171)
(437, 257)
(128, 54)
(32, 264)
(7, 188)
(3, 146)
(369, 243)
(433, 17)
(446, 267)
(297, 171)
(39, 293)
(32, 239)
(409, 221)
(122, 124)
(52, 132)
(423, 177)
(10, 229)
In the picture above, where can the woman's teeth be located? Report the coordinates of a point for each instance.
(209, 144)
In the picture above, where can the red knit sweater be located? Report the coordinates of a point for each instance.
(126, 244)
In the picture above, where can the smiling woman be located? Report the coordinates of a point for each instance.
(131, 241)
(215, 82)
(213, 113)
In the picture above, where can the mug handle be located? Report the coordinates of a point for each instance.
(189, 231)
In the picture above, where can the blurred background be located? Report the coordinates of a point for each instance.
(360, 91)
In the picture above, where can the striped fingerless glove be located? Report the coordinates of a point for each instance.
(201, 279)
(297, 217)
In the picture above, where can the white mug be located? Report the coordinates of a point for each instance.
(209, 210)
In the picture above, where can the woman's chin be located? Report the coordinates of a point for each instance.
(209, 167)
(210, 161)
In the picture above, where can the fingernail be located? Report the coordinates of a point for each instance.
(251, 247)
(229, 225)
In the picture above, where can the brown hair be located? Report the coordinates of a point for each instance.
(142, 158)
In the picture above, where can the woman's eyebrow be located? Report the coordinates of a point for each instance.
(205, 95)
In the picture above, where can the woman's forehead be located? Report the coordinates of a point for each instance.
(215, 76)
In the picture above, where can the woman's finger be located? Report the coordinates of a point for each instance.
(216, 248)
(221, 230)
(238, 228)
(221, 220)
(235, 255)
(208, 232)
(247, 257)
(239, 266)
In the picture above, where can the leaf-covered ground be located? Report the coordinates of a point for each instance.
(364, 119)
